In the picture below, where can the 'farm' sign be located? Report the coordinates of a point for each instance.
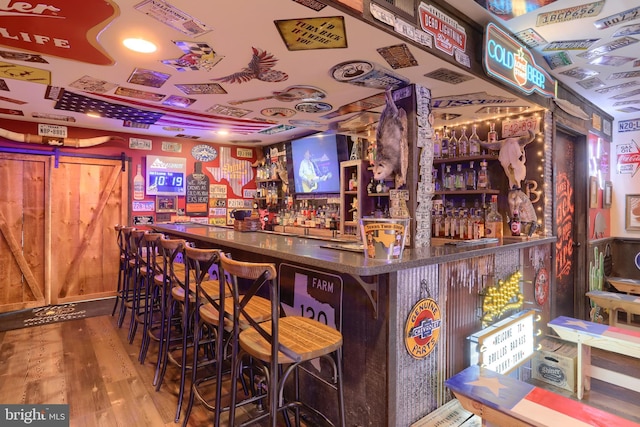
(510, 62)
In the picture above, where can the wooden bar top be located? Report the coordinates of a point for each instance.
(325, 254)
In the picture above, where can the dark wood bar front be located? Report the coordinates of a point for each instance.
(387, 383)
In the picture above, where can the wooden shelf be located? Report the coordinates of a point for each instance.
(461, 192)
(268, 180)
(465, 159)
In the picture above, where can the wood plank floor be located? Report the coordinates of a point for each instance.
(90, 365)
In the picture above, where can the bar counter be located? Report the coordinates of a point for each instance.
(314, 252)
(386, 382)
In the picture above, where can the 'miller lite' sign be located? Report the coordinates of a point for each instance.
(509, 61)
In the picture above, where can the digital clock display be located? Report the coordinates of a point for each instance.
(163, 183)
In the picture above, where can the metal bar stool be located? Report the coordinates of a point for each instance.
(211, 332)
(280, 343)
(122, 267)
(153, 279)
(138, 263)
(124, 293)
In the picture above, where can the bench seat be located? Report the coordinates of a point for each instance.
(505, 401)
(614, 302)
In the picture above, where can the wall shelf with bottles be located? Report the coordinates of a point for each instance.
(460, 159)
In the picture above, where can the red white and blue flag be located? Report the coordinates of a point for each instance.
(115, 107)
(528, 403)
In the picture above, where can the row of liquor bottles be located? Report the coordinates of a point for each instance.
(462, 178)
(478, 222)
(449, 145)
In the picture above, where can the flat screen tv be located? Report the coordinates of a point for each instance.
(314, 163)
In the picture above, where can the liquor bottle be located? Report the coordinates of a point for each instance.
(463, 144)
(448, 179)
(493, 135)
(444, 142)
(515, 224)
(459, 183)
(453, 145)
(437, 146)
(483, 176)
(480, 226)
(371, 187)
(138, 184)
(353, 182)
(474, 142)
(493, 222)
(470, 177)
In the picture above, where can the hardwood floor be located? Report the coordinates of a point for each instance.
(90, 365)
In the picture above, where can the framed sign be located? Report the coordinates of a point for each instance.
(632, 212)
(166, 203)
(608, 189)
(593, 192)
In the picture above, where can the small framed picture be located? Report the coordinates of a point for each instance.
(166, 203)
(606, 198)
(593, 192)
(632, 210)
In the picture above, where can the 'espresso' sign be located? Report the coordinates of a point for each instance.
(511, 62)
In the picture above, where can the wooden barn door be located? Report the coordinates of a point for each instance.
(87, 200)
(57, 242)
(23, 182)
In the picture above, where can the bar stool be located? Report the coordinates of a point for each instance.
(138, 265)
(180, 301)
(169, 249)
(153, 277)
(122, 269)
(128, 266)
(280, 343)
(210, 331)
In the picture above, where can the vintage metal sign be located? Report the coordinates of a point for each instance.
(447, 33)
(570, 44)
(628, 157)
(313, 33)
(629, 125)
(506, 59)
(60, 28)
(422, 328)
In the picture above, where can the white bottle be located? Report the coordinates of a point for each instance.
(138, 185)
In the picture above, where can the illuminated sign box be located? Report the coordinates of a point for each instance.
(166, 176)
(512, 63)
(507, 344)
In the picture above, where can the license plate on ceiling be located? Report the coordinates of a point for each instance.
(52, 130)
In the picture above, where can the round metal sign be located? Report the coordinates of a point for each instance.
(422, 329)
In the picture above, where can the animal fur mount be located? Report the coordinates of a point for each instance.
(66, 142)
(521, 203)
(392, 148)
(512, 156)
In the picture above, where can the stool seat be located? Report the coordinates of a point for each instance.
(307, 338)
(178, 294)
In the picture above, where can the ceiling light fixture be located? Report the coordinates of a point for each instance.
(139, 45)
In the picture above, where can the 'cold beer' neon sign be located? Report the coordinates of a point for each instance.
(510, 62)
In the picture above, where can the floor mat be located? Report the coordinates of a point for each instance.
(55, 313)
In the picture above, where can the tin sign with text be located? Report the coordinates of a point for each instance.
(507, 60)
(448, 35)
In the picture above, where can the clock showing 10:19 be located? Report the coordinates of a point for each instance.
(166, 176)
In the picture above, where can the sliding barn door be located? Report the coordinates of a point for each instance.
(23, 183)
(57, 242)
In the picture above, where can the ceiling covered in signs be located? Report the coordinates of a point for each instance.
(270, 71)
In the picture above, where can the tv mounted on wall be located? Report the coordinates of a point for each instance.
(314, 163)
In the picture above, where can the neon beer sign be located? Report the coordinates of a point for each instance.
(510, 62)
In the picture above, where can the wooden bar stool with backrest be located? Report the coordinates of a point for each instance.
(181, 302)
(168, 250)
(282, 342)
(138, 262)
(128, 276)
(122, 267)
(210, 331)
(153, 277)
